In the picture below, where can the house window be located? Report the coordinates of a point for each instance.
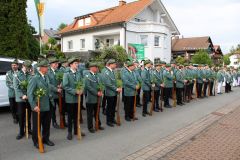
(80, 23)
(87, 21)
(157, 41)
(82, 43)
(109, 42)
(144, 39)
(70, 45)
(139, 20)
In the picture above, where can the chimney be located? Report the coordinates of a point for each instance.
(122, 2)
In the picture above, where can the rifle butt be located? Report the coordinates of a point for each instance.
(79, 136)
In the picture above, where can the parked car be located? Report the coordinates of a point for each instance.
(5, 65)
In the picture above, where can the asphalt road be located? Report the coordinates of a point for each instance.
(112, 143)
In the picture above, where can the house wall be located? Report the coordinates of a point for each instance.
(90, 39)
(152, 27)
(234, 61)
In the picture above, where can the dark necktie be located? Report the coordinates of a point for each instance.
(44, 78)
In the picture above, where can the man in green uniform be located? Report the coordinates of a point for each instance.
(11, 94)
(131, 86)
(146, 86)
(111, 91)
(55, 88)
(63, 69)
(104, 100)
(91, 87)
(20, 82)
(199, 81)
(168, 85)
(180, 84)
(156, 75)
(70, 80)
(137, 72)
(40, 81)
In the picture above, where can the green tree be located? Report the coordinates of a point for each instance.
(180, 60)
(61, 26)
(17, 25)
(226, 60)
(201, 57)
(16, 38)
(52, 43)
(114, 52)
(33, 43)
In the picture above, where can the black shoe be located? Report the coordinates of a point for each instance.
(69, 136)
(180, 104)
(91, 130)
(128, 119)
(101, 128)
(83, 108)
(156, 110)
(110, 124)
(144, 115)
(49, 143)
(19, 136)
(55, 125)
(36, 145)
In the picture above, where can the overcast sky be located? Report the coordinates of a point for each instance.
(218, 19)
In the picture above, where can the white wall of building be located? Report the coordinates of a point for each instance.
(89, 39)
(151, 27)
(234, 61)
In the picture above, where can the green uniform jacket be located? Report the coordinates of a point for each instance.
(69, 85)
(146, 80)
(9, 83)
(129, 83)
(53, 83)
(110, 83)
(227, 77)
(36, 82)
(179, 79)
(18, 78)
(157, 75)
(91, 87)
(137, 74)
(199, 76)
(167, 79)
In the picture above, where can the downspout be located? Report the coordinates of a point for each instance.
(125, 35)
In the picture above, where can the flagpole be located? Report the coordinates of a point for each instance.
(40, 7)
(40, 43)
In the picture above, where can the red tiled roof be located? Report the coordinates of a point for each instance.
(194, 43)
(112, 15)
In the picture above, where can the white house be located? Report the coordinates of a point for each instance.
(234, 60)
(145, 22)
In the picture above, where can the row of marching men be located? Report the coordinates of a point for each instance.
(37, 91)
